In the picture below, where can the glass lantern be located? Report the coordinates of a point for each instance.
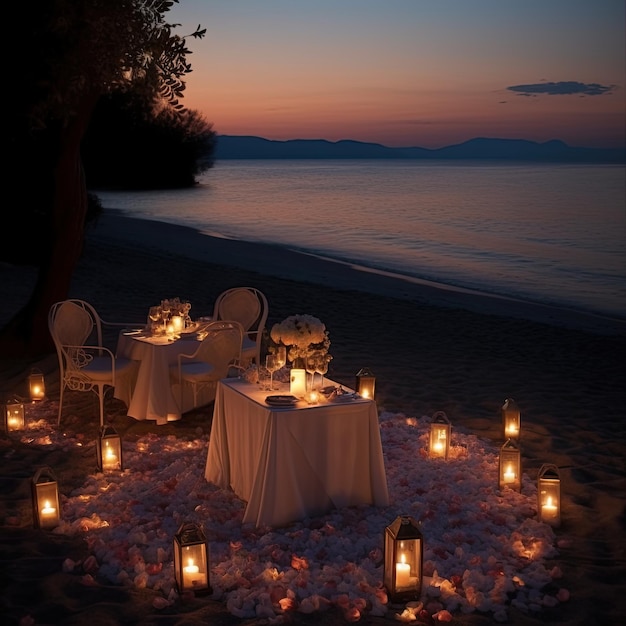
(109, 450)
(191, 559)
(439, 445)
(36, 386)
(297, 382)
(365, 383)
(510, 466)
(45, 491)
(402, 576)
(511, 419)
(549, 495)
(14, 415)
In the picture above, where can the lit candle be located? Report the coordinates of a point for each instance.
(297, 385)
(509, 474)
(177, 323)
(190, 574)
(365, 393)
(312, 398)
(403, 571)
(548, 509)
(48, 510)
(110, 458)
(512, 430)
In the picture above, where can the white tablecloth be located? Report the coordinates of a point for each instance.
(297, 462)
(152, 396)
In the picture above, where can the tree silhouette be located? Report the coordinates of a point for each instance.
(129, 145)
(71, 53)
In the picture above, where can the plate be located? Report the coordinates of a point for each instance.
(281, 400)
(344, 397)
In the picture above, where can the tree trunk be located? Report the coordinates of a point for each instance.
(27, 334)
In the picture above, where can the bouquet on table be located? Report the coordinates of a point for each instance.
(160, 316)
(303, 336)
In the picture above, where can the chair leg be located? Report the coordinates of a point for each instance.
(60, 403)
(101, 398)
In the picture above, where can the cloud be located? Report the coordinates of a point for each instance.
(566, 88)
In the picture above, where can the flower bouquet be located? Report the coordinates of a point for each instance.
(302, 335)
(160, 316)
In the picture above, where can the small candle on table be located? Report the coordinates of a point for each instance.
(177, 323)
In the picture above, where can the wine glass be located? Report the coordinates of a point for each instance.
(273, 365)
(321, 367)
(154, 315)
(281, 355)
(310, 362)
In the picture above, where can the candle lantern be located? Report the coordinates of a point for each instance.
(36, 386)
(439, 445)
(511, 419)
(14, 415)
(178, 323)
(403, 560)
(109, 450)
(510, 466)
(45, 491)
(191, 559)
(549, 495)
(365, 383)
(297, 382)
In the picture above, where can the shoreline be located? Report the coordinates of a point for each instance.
(286, 263)
(429, 353)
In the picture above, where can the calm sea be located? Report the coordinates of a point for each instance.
(553, 234)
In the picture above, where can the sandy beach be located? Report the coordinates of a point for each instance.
(432, 349)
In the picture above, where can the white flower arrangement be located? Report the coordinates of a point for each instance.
(303, 335)
(161, 314)
(176, 307)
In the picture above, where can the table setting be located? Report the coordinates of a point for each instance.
(169, 331)
(290, 442)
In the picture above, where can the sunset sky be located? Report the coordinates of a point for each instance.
(423, 73)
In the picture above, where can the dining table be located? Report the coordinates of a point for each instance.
(152, 395)
(292, 462)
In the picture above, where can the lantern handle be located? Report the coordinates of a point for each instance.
(441, 417)
(549, 467)
(45, 471)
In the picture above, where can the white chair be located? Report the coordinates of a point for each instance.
(211, 361)
(84, 363)
(248, 306)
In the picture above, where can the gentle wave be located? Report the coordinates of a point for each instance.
(552, 234)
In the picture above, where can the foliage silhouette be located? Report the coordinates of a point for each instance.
(72, 52)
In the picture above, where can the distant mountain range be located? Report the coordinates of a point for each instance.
(245, 147)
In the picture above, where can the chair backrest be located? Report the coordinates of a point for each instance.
(74, 323)
(221, 347)
(245, 305)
